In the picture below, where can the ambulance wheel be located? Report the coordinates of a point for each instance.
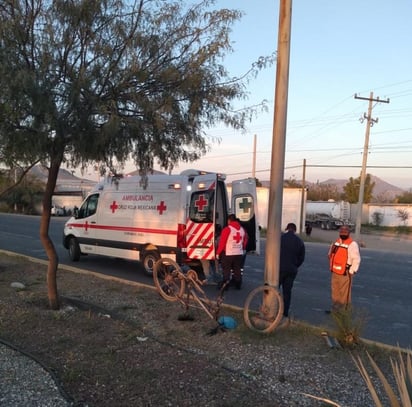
(74, 249)
(168, 279)
(149, 259)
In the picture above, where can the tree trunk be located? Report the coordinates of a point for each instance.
(45, 238)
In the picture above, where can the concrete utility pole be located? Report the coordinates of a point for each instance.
(254, 157)
(302, 201)
(369, 123)
(278, 147)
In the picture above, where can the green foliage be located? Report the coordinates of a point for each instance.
(351, 190)
(323, 192)
(404, 198)
(107, 81)
(402, 372)
(388, 230)
(349, 326)
(292, 183)
(22, 198)
(403, 230)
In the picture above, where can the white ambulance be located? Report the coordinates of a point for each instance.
(175, 216)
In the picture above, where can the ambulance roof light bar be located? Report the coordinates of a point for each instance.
(194, 173)
(174, 186)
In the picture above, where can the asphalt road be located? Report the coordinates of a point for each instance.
(381, 290)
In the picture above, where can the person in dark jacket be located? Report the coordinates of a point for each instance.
(292, 256)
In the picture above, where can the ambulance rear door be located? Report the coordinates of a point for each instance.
(244, 207)
(204, 200)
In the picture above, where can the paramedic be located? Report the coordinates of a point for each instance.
(232, 243)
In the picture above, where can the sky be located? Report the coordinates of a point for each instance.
(338, 49)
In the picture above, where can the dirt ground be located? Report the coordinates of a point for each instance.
(117, 344)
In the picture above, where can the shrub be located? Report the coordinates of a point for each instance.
(349, 326)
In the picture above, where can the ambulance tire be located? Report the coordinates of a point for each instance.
(149, 259)
(74, 249)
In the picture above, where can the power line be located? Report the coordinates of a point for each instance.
(330, 166)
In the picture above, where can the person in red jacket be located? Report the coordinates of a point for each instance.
(232, 245)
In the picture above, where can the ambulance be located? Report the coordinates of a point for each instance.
(145, 218)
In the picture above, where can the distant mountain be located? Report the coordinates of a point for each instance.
(41, 172)
(66, 181)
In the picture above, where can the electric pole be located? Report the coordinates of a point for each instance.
(277, 166)
(302, 201)
(369, 123)
(254, 157)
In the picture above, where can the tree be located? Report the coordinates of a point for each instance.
(19, 191)
(103, 81)
(406, 197)
(23, 197)
(351, 189)
(292, 183)
(403, 215)
(323, 192)
(377, 218)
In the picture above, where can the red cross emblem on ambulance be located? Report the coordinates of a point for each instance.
(161, 207)
(114, 206)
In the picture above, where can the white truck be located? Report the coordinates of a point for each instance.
(328, 214)
(175, 216)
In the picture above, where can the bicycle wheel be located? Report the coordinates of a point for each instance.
(168, 279)
(260, 316)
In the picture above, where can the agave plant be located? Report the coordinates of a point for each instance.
(402, 371)
(349, 326)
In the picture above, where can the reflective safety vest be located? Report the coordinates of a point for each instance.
(338, 256)
(234, 244)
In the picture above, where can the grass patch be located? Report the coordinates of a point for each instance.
(395, 230)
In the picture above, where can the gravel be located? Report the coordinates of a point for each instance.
(24, 382)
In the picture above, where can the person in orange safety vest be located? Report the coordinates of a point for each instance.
(344, 261)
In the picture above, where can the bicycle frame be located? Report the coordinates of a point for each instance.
(195, 292)
(175, 285)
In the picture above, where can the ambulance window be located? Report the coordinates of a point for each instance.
(244, 207)
(89, 207)
(201, 206)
